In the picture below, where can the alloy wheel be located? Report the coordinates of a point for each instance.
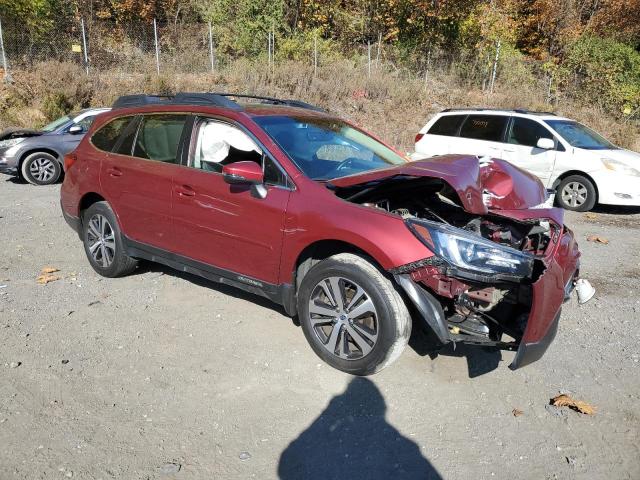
(101, 240)
(343, 317)
(42, 169)
(574, 194)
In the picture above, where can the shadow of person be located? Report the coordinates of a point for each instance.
(351, 439)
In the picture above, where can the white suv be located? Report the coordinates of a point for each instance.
(581, 165)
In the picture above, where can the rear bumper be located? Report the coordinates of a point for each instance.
(73, 222)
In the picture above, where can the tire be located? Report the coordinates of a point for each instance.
(107, 258)
(41, 168)
(576, 193)
(363, 337)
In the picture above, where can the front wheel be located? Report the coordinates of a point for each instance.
(41, 168)
(576, 193)
(352, 315)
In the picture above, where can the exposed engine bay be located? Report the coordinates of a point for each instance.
(477, 307)
(432, 199)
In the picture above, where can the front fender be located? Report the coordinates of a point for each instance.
(313, 219)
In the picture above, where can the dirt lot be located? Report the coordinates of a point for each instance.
(164, 375)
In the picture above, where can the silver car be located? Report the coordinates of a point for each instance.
(37, 155)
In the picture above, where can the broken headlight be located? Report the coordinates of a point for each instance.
(471, 252)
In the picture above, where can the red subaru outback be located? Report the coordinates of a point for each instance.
(284, 200)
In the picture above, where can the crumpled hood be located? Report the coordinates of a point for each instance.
(10, 133)
(482, 185)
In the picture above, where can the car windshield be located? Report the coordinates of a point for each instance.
(580, 136)
(50, 127)
(327, 148)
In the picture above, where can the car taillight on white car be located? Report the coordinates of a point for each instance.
(419, 137)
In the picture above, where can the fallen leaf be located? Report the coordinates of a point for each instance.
(46, 278)
(49, 270)
(577, 405)
(597, 239)
(517, 412)
(591, 216)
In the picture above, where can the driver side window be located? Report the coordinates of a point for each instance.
(218, 144)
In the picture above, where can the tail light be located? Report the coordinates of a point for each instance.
(419, 137)
(69, 159)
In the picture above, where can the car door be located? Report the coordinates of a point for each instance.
(226, 226)
(137, 177)
(481, 135)
(521, 148)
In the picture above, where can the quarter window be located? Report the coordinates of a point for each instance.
(484, 127)
(447, 125)
(158, 137)
(107, 136)
(527, 132)
(218, 144)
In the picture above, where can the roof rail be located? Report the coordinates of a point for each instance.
(182, 98)
(136, 100)
(275, 101)
(213, 99)
(481, 109)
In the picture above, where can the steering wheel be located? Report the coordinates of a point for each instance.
(346, 164)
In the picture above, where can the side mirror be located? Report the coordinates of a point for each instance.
(75, 129)
(546, 144)
(246, 172)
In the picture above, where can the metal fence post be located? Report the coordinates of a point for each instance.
(155, 36)
(84, 47)
(495, 67)
(368, 58)
(7, 76)
(315, 54)
(211, 46)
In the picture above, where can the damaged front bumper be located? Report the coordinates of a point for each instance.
(433, 288)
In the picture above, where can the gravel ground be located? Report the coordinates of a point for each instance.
(164, 375)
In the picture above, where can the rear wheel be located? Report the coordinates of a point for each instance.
(352, 315)
(576, 193)
(41, 168)
(103, 242)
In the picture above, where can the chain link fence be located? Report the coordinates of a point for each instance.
(100, 45)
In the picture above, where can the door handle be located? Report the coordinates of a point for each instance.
(114, 172)
(185, 191)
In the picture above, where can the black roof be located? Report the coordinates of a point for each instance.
(225, 100)
(481, 109)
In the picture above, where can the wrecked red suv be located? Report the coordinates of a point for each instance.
(284, 200)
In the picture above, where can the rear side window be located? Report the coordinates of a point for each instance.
(527, 132)
(484, 127)
(446, 125)
(158, 137)
(107, 136)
